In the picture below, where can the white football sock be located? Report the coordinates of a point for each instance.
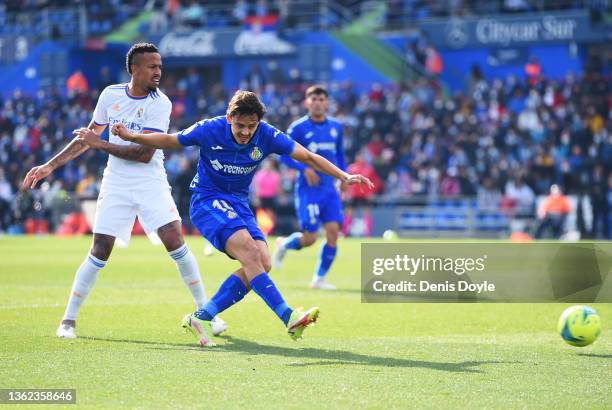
(84, 281)
(188, 268)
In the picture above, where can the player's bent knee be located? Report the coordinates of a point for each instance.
(267, 263)
(249, 255)
(332, 239)
(102, 246)
(171, 236)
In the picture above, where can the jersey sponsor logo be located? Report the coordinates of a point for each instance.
(322, 146)
(309, 134)
(217, 147)
(132, 126)
(334, 133)
(256, 153)
(116, 107)
(231, 169)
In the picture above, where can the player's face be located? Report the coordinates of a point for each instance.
(317, 105)
(243, 127)
(147, 72)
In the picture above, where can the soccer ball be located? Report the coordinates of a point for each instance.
(579, 325)
(389, 235)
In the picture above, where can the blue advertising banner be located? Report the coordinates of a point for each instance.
(508, 31)
(205, 43)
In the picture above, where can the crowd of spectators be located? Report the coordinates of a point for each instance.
(104, 16)
(504, 141)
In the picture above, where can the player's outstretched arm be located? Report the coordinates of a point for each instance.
(153, 140)
(321, 164)
(311, 177)
(136, 153)
(74, 148)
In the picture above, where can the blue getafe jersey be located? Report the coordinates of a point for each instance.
(226, 166)
(323, 138)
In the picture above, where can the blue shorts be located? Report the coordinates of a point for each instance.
(217, 216)
(314, 210)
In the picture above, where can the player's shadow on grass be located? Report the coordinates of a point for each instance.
(326, 357)
(343, 357)
(599, 356)
(183, 346)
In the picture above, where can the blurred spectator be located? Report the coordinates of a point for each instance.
(6, 200)
(182, 193)
(266, 184)
(159, 18)
(104, 79)
(87, 187)
(254, 80)
(522, 197)
(360, 197)
(433, 61)
(193, 15)
(552, 213)
(489, 196)
(266, 187)
(240, 11)
(533, 70)
(597, 194)
(77, 83)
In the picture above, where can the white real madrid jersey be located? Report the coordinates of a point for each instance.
(149, 113)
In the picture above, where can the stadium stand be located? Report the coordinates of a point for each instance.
(468, 162)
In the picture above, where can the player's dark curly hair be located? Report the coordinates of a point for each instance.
(316, 90)
(246, 103)
(136, 49)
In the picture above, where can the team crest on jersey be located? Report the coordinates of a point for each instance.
(140, 113)
(231, 214)
(333, 133)
(255, 154)
(116, 107)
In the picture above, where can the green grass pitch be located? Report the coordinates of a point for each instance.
(132, 352)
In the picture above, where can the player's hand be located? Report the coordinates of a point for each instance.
(121, 131)
(312, 178)
(358, 179)
(36, 174)
(87, 136)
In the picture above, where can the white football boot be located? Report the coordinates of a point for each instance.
(66, 330)
(321, 284)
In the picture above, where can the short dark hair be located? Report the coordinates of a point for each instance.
(246, 103)
(136, 49)
(316, 90)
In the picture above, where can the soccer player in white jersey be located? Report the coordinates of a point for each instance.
(134, 181)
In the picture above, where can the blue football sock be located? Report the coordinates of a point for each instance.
(231, 291)
(265, 288)
(326, 258)
(293, 241)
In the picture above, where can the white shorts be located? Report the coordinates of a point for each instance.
(117, 210)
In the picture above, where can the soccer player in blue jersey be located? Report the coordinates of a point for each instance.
(231, 148)
(317, 200)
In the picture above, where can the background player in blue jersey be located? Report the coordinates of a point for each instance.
(231, 148)
(317, 200)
